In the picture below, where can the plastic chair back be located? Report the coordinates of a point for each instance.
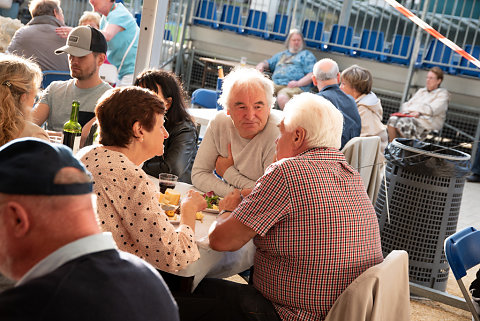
(312, 32)
(402, 46)
(371, 40)
(231, 15)
(475, 52)
(54, 75)
(341, 35)
(205, 98)
(462, 250)
(206, 14)
(256, 23)
(281, 25)
(437, 53)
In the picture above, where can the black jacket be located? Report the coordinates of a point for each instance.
(179, 154)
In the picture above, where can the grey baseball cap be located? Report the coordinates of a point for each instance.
(82, 41)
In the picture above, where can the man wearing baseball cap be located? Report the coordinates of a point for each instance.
(86, 48)
(50, 242)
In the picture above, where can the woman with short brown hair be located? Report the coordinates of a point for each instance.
(131, 123)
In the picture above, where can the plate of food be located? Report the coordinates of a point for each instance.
(212, 202)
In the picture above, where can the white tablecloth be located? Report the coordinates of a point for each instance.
(212, 263)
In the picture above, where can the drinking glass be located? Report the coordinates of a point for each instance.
(167, 180)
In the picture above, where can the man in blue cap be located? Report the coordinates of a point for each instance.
(50, 242)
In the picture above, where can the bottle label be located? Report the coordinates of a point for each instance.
(72, 140)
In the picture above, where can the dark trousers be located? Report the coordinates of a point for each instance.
(217, 299)
(476, 163)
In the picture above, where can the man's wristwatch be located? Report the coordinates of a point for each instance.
(224, 211)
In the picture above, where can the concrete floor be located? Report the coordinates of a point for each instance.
(470, 208)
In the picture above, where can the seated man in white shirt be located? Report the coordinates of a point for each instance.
(239, 143)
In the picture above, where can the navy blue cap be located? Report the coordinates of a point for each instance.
(28, 167)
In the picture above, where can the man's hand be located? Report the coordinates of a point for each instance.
(231, 201)
(293, 84)
(245, 192)
(63, 31)
(223, 163)
(261, 66)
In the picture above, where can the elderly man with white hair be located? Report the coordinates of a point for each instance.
(311, 220)
(239, 143)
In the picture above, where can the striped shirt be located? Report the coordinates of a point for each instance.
(316, 232)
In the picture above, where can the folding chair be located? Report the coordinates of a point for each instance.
(462, 250)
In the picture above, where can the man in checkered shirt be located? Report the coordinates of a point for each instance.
(312, 222)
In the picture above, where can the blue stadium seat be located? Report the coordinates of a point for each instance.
(312, 32)
(281, 27)
(464, 63)
(436, 53)
(206, 14)
(256, 23)
(401, 46)
(371, 40)
(167, 35)
(138, 17)
(340, 35)
(205, 98)
(54, 75)
(231, 15)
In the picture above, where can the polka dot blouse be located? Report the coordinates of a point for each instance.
(128, 208)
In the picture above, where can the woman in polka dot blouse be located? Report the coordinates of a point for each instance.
(131, 131)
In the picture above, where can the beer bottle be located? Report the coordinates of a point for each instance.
(72, 130)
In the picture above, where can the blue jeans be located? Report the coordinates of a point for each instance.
(12, 12)
(217, 299)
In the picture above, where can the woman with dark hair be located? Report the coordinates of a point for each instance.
(131, 123)
(181, 145)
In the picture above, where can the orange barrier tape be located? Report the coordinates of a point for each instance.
(425, 26)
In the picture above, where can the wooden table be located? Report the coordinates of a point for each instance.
(210, 66)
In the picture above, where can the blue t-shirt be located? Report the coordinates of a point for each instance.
(118, 45)
(287, 66)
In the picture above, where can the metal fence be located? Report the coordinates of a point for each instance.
(365, 28)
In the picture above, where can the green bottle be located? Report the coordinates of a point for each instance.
(72, 130)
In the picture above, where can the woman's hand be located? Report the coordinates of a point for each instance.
(191, 203)
(63, 31)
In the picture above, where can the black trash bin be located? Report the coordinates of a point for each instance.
(424, 187)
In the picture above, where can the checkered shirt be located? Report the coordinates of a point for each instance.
(317, 232)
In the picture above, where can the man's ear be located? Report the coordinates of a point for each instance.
(299, 137)
(17, 218)
(314, 80)
(100, 59)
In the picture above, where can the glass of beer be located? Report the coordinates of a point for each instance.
(167, 180)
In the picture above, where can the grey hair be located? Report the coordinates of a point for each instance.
(322, 121)
(246, 77)
(290, 34)
(322, 74)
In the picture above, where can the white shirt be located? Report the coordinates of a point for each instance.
(86, 245)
